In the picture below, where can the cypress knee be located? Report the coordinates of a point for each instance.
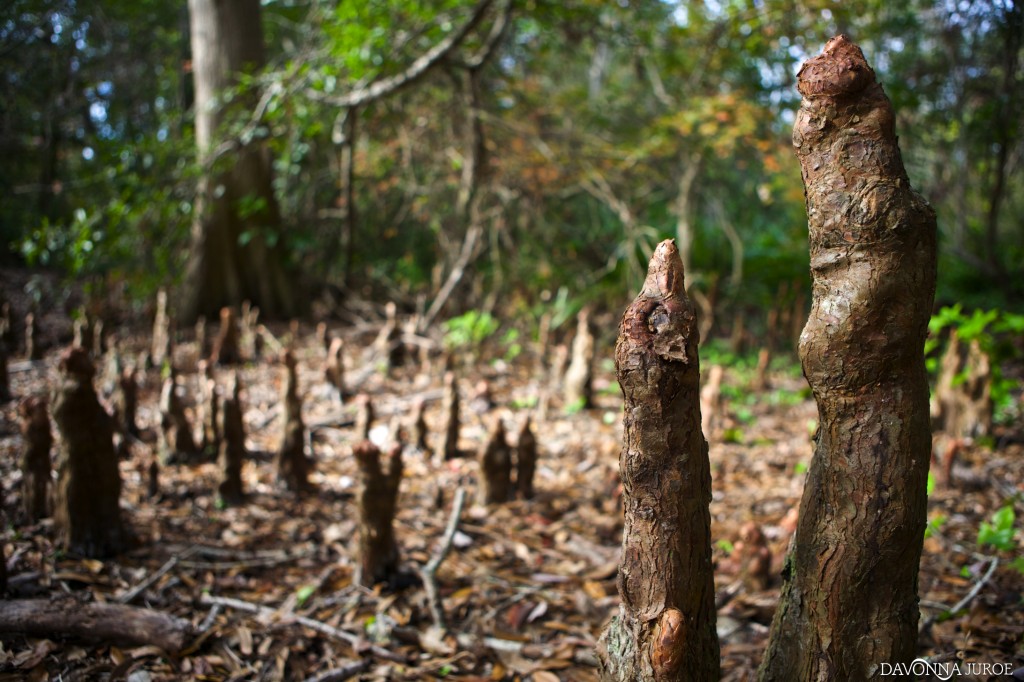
(33, 351)
(86, 506)
(449, 445)
(292, 464)
(5, 387)
(334, 369)
(378, 499)
(161, 330)
(232, 445)
(227, 346)
(579, 377)
(665, 628)
(526, 460)
(495, 466)
(35, 460)
(176, 442)
(849, 600)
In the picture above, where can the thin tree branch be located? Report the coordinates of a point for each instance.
(429, 572)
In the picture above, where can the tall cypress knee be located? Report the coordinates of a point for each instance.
(665, 628)
(377, 503)
(86, 505)
(35, 459)
(849, 601)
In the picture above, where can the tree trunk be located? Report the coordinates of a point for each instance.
(86, 507)
(236, 253)
(377, 501)
(849, 601)
(665, 629)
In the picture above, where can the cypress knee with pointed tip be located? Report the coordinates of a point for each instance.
(126, 401)
(665, 628)
(849, 601)
(291, 463)
(209, 407)
(227, 348)
(364, 417)
(86, 504)
(526, 460)
(419, 425)
(378, 501)
(35, 459)
(232, 445)
(495, 466)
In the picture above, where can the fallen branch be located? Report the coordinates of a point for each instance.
(962, 604)
(131, 594)
(357, 643)
(104, 622)
(429, 572)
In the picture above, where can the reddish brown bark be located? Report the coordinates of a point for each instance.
(754, 557)
(35, 459)
(963, 390)
(378, 499)
(86, 505)
(665, 628)
(849, 600)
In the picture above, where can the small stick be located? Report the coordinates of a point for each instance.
(131, 594)
(356, 642)
(429, 572)
(345, 672)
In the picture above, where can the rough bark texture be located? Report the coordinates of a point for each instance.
(378, 499)
(526, 460)
(495, 466)
(849, 600)
(176, 442)
(227, 348)
(449, 446)
(665, 628)
(232, 259)
(35, 459)
(232, 446)
(86, 505)
(292, 464)
(115, 623)
(579, 377)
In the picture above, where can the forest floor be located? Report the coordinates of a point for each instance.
(526, 588)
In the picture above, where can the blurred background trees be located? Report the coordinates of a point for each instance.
(498, 154)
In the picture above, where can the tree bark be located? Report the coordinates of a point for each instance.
(665, 629)
(236, 253)
(495, 466)
(232, 446)
(105, 622)
(87, 509)
(849, 600)
(292, 464)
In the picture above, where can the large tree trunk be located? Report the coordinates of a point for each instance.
(665, 629)
(849, 602)
(236, 254)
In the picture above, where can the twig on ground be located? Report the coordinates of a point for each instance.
(131, 594)
(344, 672)
(956, 608)
(429, 572)
(356, 642)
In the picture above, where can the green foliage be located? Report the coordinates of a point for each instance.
(576, 406)
(934, 525)
(469, 330)
(999, 531)
(996, 332)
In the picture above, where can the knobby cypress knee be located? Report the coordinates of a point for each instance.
(849, 601)
(665, 628)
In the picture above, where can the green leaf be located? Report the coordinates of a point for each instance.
(304, 593)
